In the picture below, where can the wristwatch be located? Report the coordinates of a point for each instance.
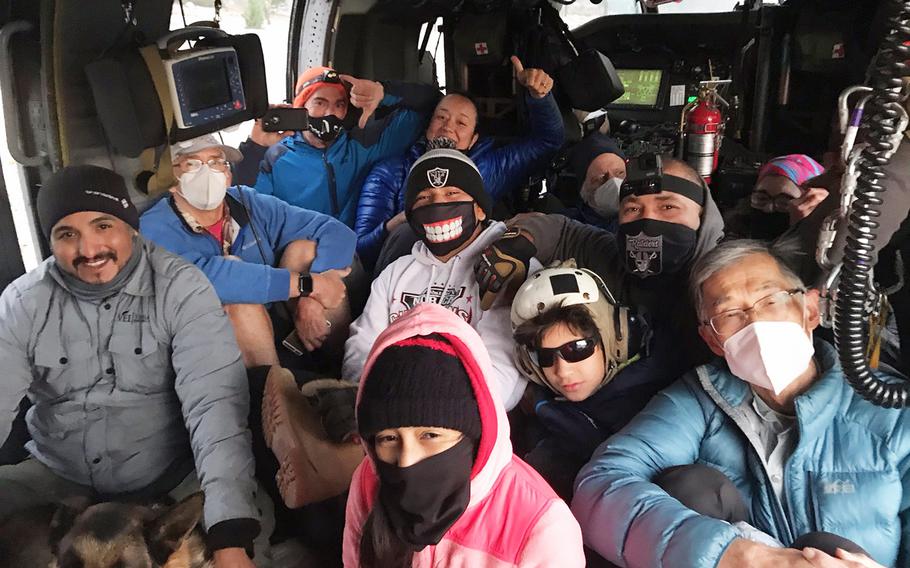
(305, 285)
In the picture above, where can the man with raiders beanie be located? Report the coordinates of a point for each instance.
(448, 208)
(133, 370)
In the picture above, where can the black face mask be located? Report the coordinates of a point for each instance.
(768, 226)
(652, 247)
(326, 128)
(444, 226)
(424, 500)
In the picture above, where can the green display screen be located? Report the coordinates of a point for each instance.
(642, 87)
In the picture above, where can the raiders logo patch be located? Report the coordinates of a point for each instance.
(437, 177)
(644, 254)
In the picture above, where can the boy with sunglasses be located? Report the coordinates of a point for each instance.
(577, 345)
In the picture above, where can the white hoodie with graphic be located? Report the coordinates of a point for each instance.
(421, 277)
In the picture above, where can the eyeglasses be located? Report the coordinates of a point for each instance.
(779, 305)
(571, 352)
(764, 202)
(193, 165)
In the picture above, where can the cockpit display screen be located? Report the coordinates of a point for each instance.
(642, 87)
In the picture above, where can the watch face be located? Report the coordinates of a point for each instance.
(305, 285)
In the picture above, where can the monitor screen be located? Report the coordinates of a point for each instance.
(642, 87)
(210, 85)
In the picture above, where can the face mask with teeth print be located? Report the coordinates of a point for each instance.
(444, 226)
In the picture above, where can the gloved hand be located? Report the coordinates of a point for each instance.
(335, 404)
(503, 265)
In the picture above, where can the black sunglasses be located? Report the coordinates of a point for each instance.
(571, 352)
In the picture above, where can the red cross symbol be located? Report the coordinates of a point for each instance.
(837, 51)
(480, 48)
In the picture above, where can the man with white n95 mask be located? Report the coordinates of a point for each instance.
(764, 456)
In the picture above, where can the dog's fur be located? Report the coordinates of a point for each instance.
(107, 535)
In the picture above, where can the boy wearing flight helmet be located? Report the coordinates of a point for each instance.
(576, 343)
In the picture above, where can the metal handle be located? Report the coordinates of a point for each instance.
(8, 96)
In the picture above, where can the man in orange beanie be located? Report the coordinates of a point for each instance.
(323, 167)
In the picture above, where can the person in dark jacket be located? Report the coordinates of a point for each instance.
(255, 249)
(600, 168)
(323, 168)
(139, 391)
(661, 234)
(582, 351)
(775, 418)
(380, 211)
(785, 192)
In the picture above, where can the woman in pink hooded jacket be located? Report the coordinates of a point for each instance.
(440, 486)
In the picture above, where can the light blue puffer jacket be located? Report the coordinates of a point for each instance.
(848, 474)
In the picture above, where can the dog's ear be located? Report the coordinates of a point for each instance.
(166, 532)
(63, 519)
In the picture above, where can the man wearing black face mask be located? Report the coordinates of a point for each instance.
(447, 207)
(664, 228)
(322, 168)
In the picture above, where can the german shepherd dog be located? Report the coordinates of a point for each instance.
(106, 535)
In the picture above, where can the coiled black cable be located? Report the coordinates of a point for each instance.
(880, 120)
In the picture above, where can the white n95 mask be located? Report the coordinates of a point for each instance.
(204, 189)
(604, 199)
(769, 354)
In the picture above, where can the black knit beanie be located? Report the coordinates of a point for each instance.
(84, 188)
(446, 167)
(588, 150)
(418, 382)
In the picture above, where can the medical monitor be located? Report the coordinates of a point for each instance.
(205, 86)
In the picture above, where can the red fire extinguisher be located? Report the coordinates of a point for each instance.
(702, 129)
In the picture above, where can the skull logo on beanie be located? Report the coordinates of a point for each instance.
(445, 167)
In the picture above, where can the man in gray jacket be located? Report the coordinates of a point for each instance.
(133, 369)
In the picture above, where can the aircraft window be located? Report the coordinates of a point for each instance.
(270, 19)
(582, 11)
(702, 6)
(436, 49)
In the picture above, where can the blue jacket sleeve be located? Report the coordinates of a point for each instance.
(515, 162)
(246, 171)
(272, 155)
(235, 281)
(633, 522)
(378, 203)
(285, 223)
(902, 440)
(406, 107)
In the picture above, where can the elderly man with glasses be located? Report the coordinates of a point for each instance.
(255, 249)
(763, 457)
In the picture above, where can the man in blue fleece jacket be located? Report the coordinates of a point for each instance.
(323, 168)
(254, 248)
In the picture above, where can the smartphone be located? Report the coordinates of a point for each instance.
(293, 344)
(280, 119)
